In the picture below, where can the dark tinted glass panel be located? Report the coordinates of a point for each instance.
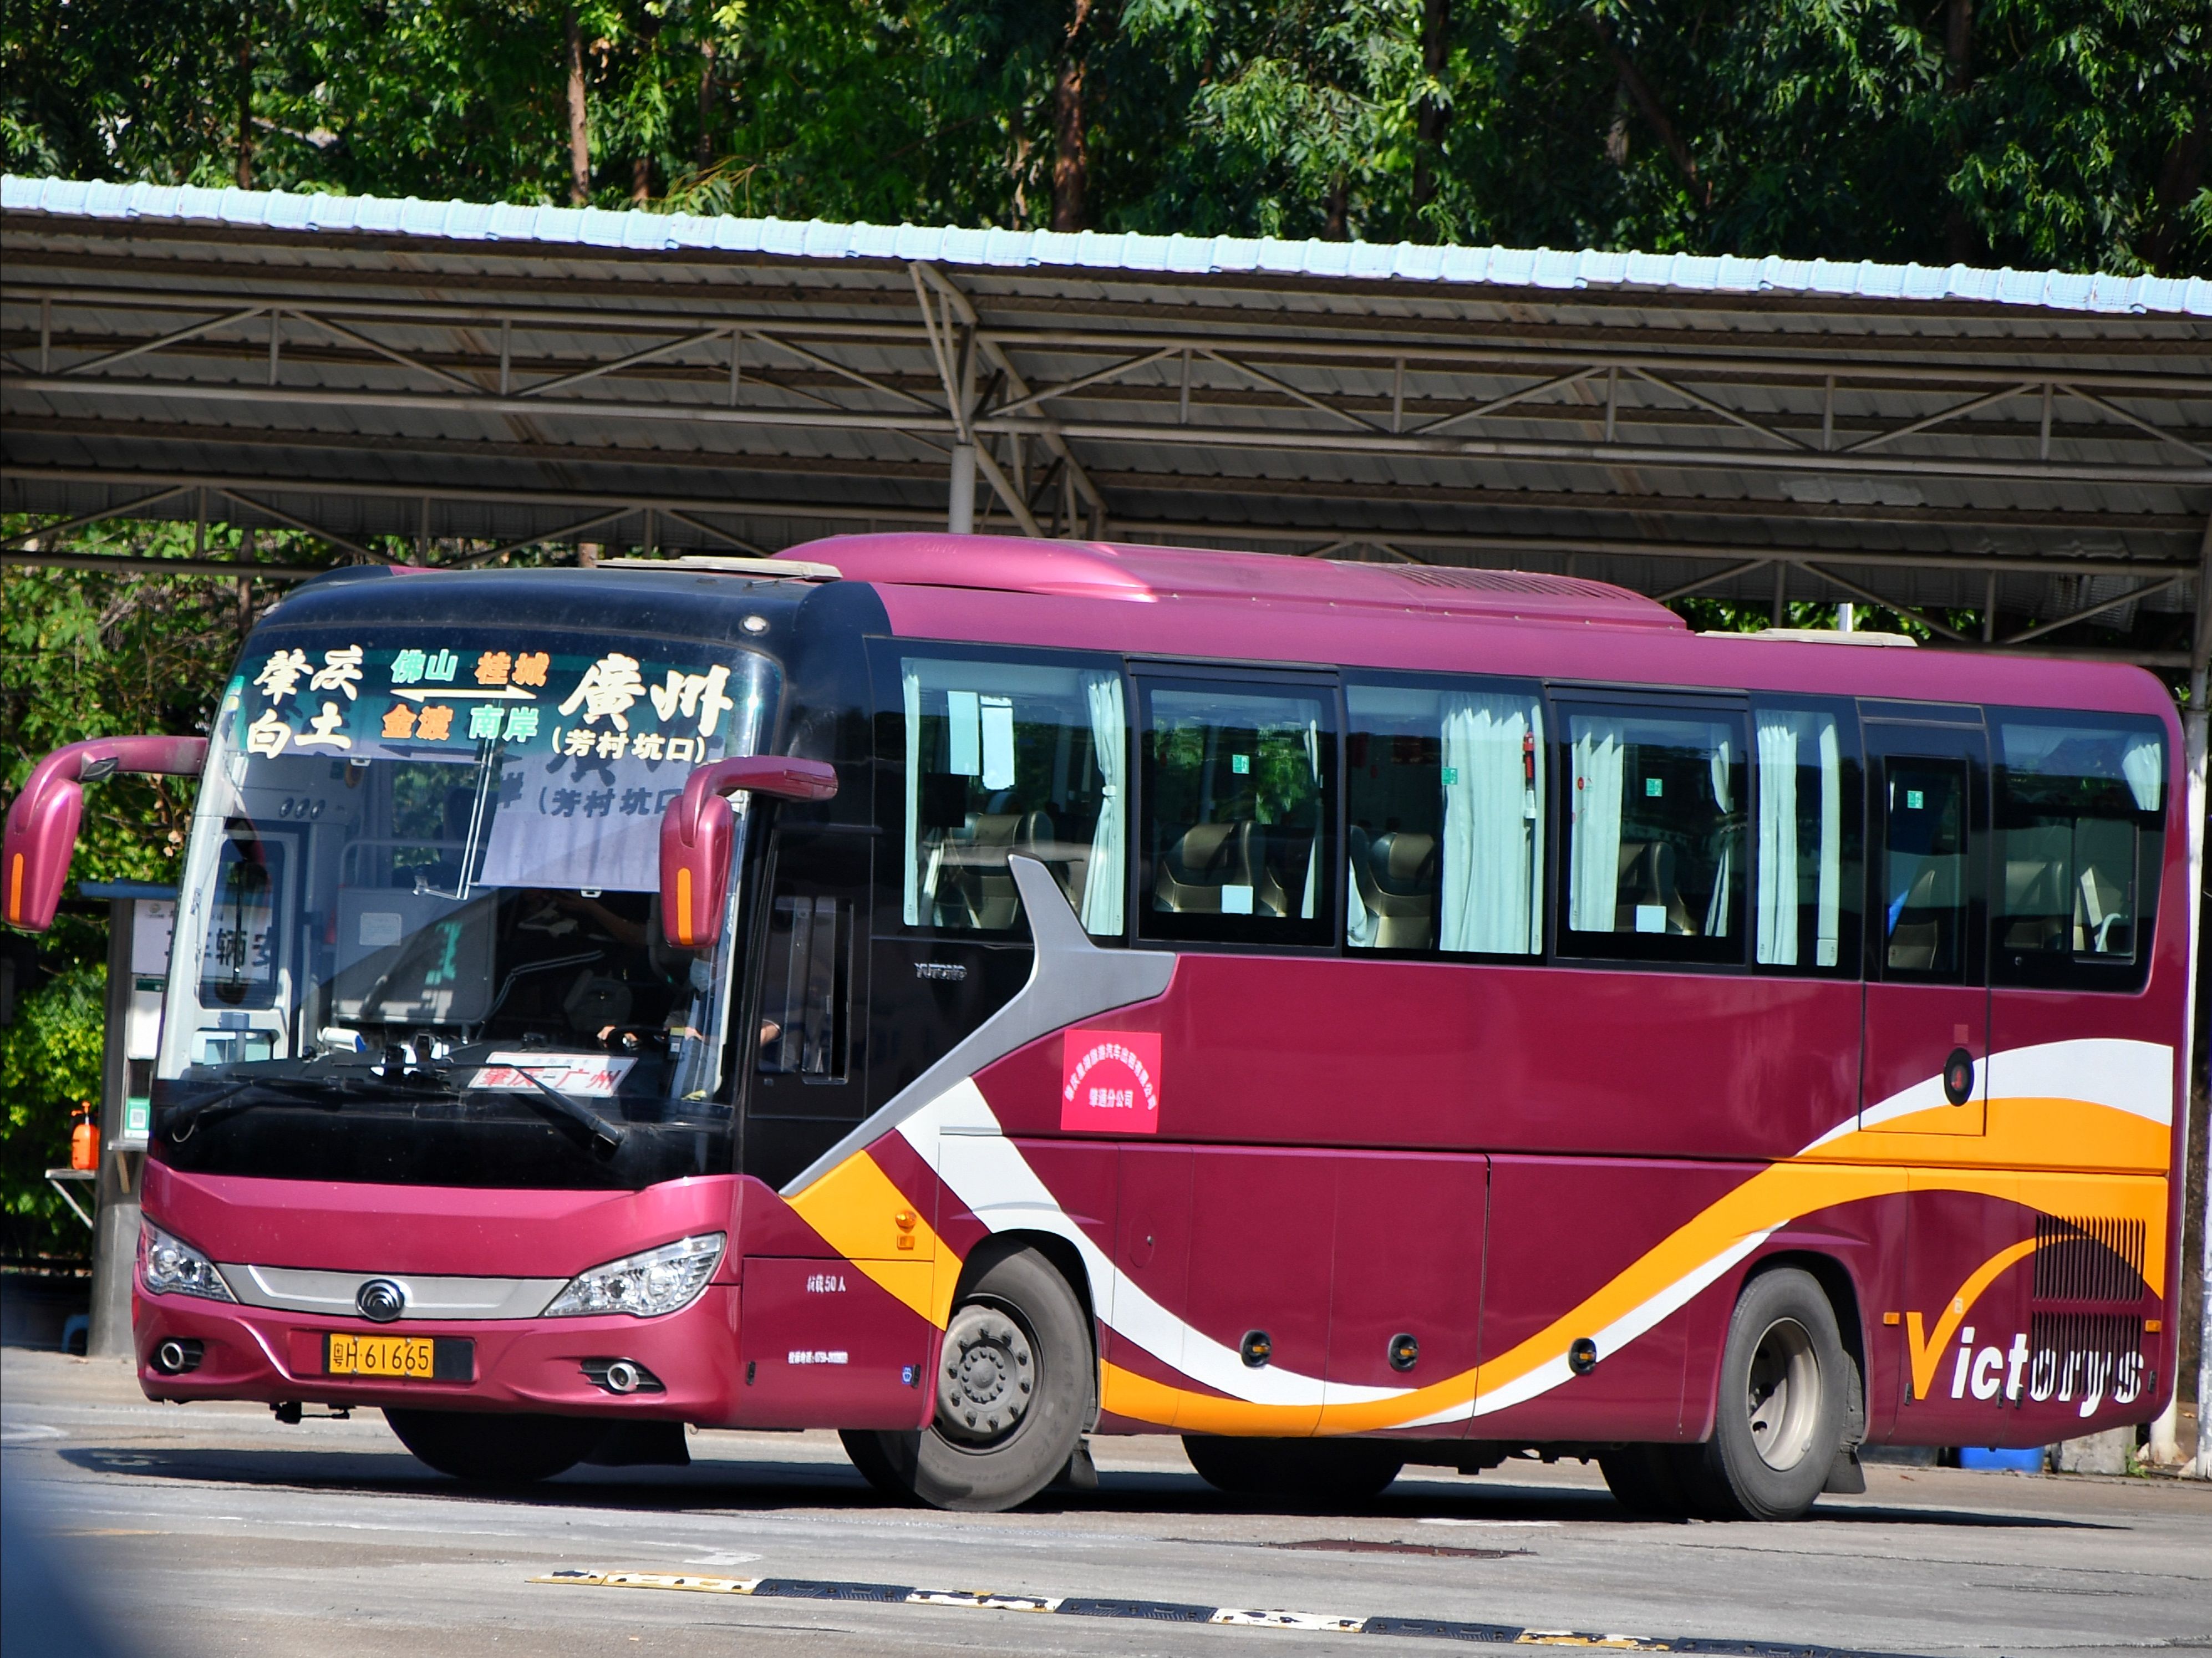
(811, 965)
(1925, 886)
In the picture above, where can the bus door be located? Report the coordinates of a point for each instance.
(1925, 1068)
(825, 1333)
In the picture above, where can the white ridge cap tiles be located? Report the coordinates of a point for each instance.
(639, 231)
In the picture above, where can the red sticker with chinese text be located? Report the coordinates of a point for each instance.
(1109, 1082)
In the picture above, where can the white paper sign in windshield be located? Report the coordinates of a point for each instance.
(570, 759)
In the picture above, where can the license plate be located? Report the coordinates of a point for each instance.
(399, 1358)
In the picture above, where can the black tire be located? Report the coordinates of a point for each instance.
(1314, 1473)
(865, 1447)
(1014, 1385)
(1781, 1408)
(497, 1450)
(1647, 1480)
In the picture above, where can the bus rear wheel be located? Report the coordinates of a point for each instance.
(1779, 1419)
(1013, 1392)
(1325, 1471)
(497, 1450)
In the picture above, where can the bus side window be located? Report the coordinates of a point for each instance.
(1239, 812)
(1653, 800)
(809, 996)
(1007, 756)
(807, 988)
(1444, 807)
(1807, 881)
(2079, 811)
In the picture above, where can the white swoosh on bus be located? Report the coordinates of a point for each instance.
(961, 1139)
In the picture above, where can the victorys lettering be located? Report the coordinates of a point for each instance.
(1110, 1081)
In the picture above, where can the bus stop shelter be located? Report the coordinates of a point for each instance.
(2034, 448)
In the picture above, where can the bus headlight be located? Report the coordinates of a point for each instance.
(170, 1266)
(644, 1285)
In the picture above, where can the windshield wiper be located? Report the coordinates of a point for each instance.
(324, 1093)
(603, 1133)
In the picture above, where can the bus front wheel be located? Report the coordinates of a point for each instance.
(1779, 1417)
(1013, 1390)
(497, 1450)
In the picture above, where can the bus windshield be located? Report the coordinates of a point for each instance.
(419, 939)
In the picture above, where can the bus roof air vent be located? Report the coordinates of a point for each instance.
(1501, 581)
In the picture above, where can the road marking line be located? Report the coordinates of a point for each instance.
(1170, 1611)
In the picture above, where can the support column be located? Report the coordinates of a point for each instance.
(2197, 725)
(960, 515)
(115, 1222)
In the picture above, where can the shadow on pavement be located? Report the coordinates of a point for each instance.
(720, 1483)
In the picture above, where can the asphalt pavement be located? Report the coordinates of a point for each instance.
(214, 1529)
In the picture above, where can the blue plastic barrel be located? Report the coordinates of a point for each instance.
(1989, 1458)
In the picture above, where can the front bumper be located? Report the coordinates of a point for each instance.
(520, 1364)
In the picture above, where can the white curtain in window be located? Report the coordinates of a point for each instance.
(1828, 888)
(1784, 740)
(2143, 763)
(1313, 856)
(1594, 871)
(1777, 925)
(1493, 811)
(1360, 927)
(1104, 876)
(911, 684)
(1718, 907)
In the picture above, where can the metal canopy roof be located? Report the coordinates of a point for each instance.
(2030, 444)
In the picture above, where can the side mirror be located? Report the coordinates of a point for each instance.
(42, 824)
(698, 828)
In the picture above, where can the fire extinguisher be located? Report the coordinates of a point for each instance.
(84, 1138)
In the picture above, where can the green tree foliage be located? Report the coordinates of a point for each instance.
(2041, 133)
(86, 655)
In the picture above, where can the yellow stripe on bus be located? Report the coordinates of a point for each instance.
(1777, 1194)
(857, 1208)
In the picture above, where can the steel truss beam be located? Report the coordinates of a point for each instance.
(1796, 458)
(1882, 361)
(697, 512)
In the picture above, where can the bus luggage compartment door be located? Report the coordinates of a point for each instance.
(1926, 1060)
(1405, 1304)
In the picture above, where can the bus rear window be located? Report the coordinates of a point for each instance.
(2079, 808)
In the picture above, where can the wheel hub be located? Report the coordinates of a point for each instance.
(1783, 1401)
(988, 1378)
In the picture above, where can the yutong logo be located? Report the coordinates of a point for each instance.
(381, 1300)
(1110, 1080)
